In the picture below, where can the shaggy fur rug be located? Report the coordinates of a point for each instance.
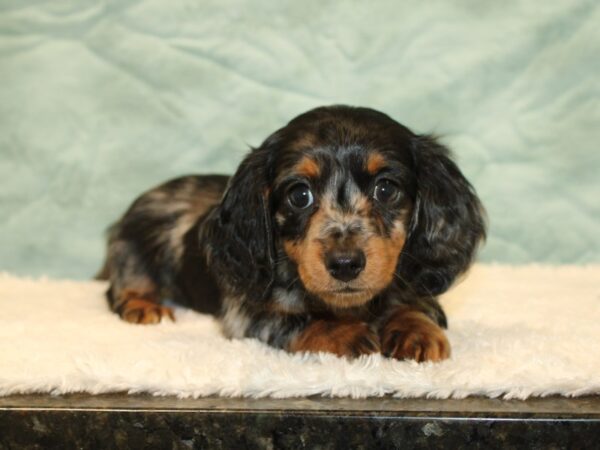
(515, 332)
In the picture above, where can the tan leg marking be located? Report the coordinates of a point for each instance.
(343, 338)
(138, 310)
(410, 334)
(307, 167)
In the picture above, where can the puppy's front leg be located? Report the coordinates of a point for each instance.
(408, 333)
(341, 337)
(301, 332)
(133, 293)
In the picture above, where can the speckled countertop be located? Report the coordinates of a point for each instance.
(138, 421)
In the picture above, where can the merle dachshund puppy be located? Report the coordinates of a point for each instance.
(335, 235)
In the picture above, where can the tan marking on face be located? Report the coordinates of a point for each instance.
(307, 167)
(308, 254)
(375, 162)
(362, 206)
(381, 258)
(349, 300)
(293, 250)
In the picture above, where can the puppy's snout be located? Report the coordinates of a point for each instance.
(345, 265)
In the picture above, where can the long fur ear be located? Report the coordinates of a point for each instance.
(447, 224)
(239, 231)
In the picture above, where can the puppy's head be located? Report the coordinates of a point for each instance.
(342, 201)
(356, 202)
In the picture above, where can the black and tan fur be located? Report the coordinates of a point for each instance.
(356, 271)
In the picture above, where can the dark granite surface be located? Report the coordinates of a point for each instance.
(580, 407)
(139, 421)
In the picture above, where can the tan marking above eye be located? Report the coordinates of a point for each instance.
(308, 167)
(375, 162)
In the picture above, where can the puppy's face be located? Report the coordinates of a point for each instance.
(355, 201)
(343, 198)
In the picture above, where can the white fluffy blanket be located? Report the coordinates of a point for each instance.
(515, 332)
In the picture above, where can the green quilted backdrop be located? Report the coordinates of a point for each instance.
(100, 100)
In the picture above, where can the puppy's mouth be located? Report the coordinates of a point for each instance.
(348, 290)
(346, 297)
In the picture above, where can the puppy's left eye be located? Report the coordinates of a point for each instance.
(386, 191)
(300, 196)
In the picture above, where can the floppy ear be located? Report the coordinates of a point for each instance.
(239, 231)
(447, 224)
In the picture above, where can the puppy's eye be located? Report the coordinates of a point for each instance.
(386, 191)
(300, 196)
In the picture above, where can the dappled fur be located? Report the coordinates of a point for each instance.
(447, 222)
(238, 248)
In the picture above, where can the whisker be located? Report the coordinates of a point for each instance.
(292, 282)
(408, 285)
(413, 257)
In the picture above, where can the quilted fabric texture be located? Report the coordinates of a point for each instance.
(101, 100)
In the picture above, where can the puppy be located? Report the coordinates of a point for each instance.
(335, 235)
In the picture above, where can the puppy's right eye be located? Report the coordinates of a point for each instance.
(300, 196)
(386, 191)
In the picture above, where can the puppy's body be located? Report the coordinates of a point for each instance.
(335, 235)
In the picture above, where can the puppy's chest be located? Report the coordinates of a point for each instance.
(288, 300)
(297, 301)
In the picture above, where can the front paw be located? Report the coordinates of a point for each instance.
(343, 338)
(410, 334)
(144, 311)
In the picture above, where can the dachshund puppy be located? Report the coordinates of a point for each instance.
(335, 235)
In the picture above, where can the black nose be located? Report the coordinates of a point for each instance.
(345, 266)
